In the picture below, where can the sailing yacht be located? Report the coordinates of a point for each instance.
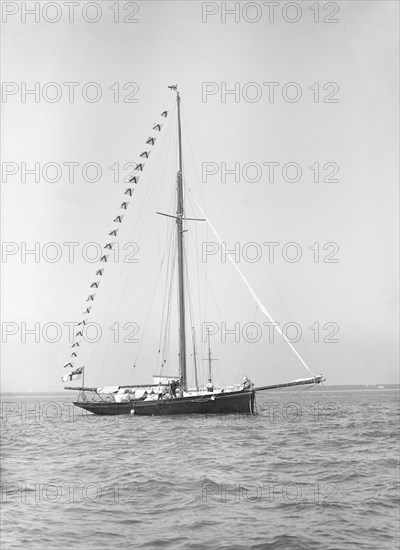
(171, 395)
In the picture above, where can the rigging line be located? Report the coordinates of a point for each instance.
(207, 284)
(256, 298)
(162, 167)
(197, 178)
(165, 324)
(149, 310)
(117, 284)
(167, 319)
(188, 290)
(146, 321)
(165, 145)
(166, 350)
(189, 141)
(106, 354)
(164, 314)
(169, 246)
(165, 290)
(282, 304)
(189, 299)
(191, 151)
(150, 190)
(119, 306)
(128, 274)
(154, 172)
(135, 172)
(168, 142)
(166, 355)
(195, 238)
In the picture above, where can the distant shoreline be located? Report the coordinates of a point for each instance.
(344, 387)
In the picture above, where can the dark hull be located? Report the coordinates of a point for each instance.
(225, 403)
(105, 408)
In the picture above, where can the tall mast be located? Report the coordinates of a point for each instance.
(180, 217)
(181, 255)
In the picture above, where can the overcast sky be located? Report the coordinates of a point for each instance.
(347, 130)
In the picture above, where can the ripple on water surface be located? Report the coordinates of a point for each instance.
(323, 476)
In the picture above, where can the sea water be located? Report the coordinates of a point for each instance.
(314, 469)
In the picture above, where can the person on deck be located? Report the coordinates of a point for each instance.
(247, 384)
(172, 387)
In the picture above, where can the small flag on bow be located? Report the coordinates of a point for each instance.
(73, 375)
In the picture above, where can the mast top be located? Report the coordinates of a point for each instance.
(174, 87)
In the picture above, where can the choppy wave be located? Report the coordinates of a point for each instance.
(313, 470)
